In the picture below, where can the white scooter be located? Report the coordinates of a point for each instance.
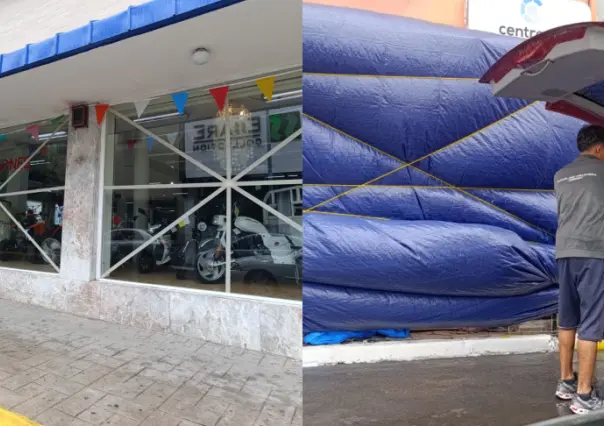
(274, 250)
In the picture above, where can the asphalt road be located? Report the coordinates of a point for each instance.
(489, 391)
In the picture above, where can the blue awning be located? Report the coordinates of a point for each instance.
(134, 21)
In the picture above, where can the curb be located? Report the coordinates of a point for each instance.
(357, 353)
(8, 418)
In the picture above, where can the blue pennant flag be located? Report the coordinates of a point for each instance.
(180, 99)
(150, 143)
(2, 138)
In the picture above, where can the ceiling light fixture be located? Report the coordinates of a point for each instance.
(294, 94)
(200, 56)
(55, 135)
(156, 117)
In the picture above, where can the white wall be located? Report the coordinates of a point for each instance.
(30, 21)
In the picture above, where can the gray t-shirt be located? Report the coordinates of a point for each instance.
(580, 196)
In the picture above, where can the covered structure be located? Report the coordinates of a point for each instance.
(428, 201)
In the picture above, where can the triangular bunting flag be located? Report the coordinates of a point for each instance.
(219, 94)
(180, 99)
(34, 130)
(181, 224)
(57, 120)
(141, 106)
(172, 137)
(100, 112)
(131, 144)
(2, 138)
(44, 150)
(149, 143)
(266, 86)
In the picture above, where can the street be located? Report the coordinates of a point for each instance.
(510, 390)
(62, 370)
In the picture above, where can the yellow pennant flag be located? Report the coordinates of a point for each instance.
(266, 86)
(181, 224)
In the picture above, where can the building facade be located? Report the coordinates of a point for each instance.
(151, 165)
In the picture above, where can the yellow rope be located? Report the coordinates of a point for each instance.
(322, 74)
(378, 218)
(405, 165)
(469, 188)
(349, 215)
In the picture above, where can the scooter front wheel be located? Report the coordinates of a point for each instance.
(206, 272)
(52, 248)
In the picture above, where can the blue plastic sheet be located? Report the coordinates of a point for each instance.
(335, 337)
(423, 257)
(431, 201)
(329, 308)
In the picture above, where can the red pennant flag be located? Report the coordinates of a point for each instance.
(131, 143)
(100, 112)
(44, 150)
(220, 94)
(34, 130)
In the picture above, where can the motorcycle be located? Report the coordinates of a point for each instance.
(254, 249)
(125, 237)
(18, 243)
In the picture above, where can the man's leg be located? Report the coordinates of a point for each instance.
(568, 321)
(587, 362)
(590, 287)
(566, 342)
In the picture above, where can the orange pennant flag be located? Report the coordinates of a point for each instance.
(220, 94)
(101, 109)
(266, 86)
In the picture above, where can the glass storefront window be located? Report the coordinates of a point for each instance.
(32, 183)
(267, 252)
(203, 199)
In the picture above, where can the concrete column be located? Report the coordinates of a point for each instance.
(80, 213)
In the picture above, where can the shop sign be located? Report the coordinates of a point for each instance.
(524, 18)
(12, 164)
(205, 141)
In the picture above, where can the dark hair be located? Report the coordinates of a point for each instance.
(590, 136)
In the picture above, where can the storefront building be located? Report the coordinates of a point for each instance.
(151, 165)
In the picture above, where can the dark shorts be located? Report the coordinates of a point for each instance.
(581, 300)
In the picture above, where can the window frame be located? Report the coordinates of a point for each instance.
(10, 177)
(226, 184)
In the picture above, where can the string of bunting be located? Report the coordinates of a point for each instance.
(265, 84)
(33, 129)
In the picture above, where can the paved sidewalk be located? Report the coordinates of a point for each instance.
(62, 370)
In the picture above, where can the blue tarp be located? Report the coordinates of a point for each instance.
(429, 202)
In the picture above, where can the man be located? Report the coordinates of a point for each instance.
(580, 256)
